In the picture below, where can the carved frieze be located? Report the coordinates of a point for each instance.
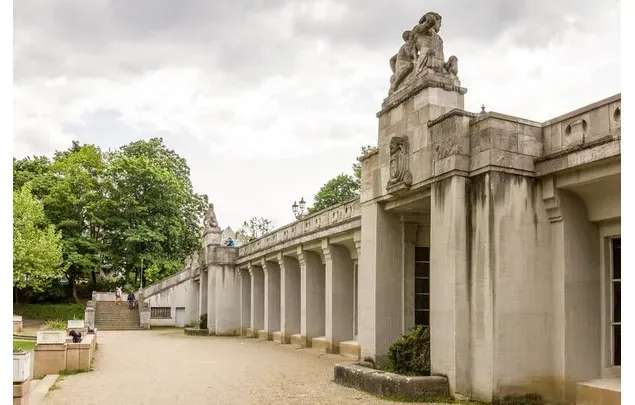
(400, 176)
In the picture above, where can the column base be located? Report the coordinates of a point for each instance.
(322, 343)
(299, 341)
(350, 348)
(278, 337)
(249, 333)
(263, 335)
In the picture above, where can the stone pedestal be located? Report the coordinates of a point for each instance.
(17, 324)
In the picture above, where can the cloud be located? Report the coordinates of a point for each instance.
(268, 100)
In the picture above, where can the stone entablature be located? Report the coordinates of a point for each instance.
(587, 125)
(305, 229)
(470, 143)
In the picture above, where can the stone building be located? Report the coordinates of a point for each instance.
(500, 233)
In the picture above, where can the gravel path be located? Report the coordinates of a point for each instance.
(163, 366)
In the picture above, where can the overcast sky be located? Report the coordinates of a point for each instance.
(267, 100)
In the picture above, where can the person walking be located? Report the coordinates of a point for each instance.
(131, 300)
(118, 294)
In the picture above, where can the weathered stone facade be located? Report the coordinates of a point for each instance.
(500, 233)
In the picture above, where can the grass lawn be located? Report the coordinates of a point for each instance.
(61, 312)
(23, 345)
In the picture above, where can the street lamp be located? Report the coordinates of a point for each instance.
(298, 208)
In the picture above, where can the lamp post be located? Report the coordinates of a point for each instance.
(298, 208)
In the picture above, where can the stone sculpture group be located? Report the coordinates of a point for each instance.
(421, 54)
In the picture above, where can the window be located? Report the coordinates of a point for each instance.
(160, 313)
(422, 286)
(616, 303)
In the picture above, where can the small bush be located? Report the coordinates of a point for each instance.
(55, 324)
(410, 353)
(45, 312)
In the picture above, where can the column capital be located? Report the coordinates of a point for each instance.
(551, 199)
(301, 257)
(326, 250)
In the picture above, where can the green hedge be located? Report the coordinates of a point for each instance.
(410, 353)
(44, 312)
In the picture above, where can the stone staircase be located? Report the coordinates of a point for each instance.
(110, 316)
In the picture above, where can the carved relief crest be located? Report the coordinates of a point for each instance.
(400, 176)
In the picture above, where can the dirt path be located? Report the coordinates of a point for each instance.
(166, 367)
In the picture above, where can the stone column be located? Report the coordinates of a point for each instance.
(575, 260)
(289, 297)
(227, 301)
(272, 297)
(202, 294)
(192, 302)
(212, 270)
(357, 241)
(338, 295)
(245, 302)
(311, 295)
(449, 300)
(257, 298)
(408, 275)
(380, 284)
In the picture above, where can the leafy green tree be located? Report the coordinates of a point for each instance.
(253, 228)
(33, 170)
(72, 205)
(341, 188)
(37, 251)
(151, 214)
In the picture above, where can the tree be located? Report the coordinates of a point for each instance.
(37, 251)
(72, 205)
(343, 187)
(151, 214)
(253, 228)
(33, 170)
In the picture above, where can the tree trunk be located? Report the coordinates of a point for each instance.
(94, 276)
(74, 287)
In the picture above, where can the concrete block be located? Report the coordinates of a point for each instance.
(299, 340)
(382, 383)
(49, 359)
(350, 348)
(321, 343)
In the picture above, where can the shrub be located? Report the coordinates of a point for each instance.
(45, 312)
(55, 324)
(410, 353)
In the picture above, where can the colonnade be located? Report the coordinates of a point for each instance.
(306, 296)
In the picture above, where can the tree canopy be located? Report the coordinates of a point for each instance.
(117, 212)
(37, 250)
(340, 188)
(253, 228)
